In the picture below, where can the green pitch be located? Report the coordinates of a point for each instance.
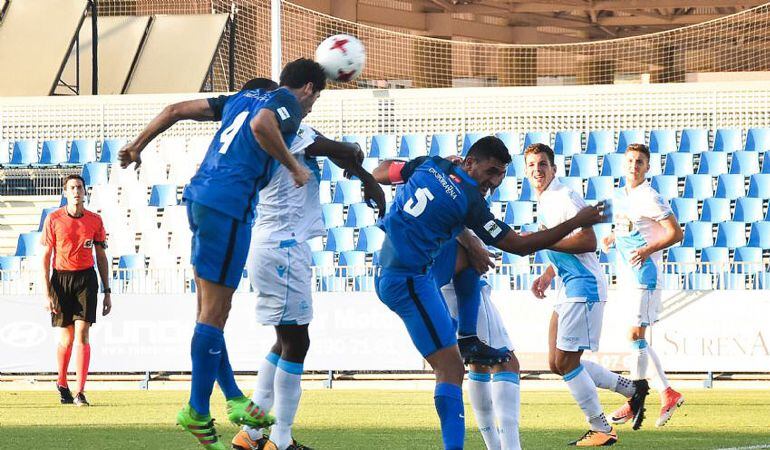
(341, 419)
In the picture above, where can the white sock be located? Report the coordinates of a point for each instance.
(607, 379)
(287, 394)
(662, 381)
(638, 369)
(584, 392)
(263, 391)
(506, 399)
(480, 390)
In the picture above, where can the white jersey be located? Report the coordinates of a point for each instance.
(287, 214)
(581, 274)
(636, 214)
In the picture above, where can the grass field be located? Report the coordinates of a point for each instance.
(352, 419)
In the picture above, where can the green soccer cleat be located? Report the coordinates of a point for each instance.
(242, 411)
(202, 427)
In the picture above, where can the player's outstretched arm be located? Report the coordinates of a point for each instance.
(382, 173)
(268, 133)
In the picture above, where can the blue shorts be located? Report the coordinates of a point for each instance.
(418, 301)
(443, 269)
(220, 245)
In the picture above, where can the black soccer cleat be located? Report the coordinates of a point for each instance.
(80, 400)
(65, 395)
(473, 351)
(636, 402)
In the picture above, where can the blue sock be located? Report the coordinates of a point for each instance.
(451, 411)
(226, 378)
(467, 285)
(206, 349)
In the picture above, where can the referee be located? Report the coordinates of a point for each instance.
(70, 236)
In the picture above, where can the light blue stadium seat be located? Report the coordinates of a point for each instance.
(759, 186)
(10, 268)
(574, 183)
(766, 162)
(760, 235)
(731, 235)
(95, 173)
(748, 210)
(517, 167)
(499, 282)
(496, 208)
(744, 163)
(353, 263)
(715, 259)
(163, 195)
(376, 258)
(672, 281)
(331, 171)
(666, 185)
(698, 187)
(369, 164)
(747, 260)
(600, 142)
(515, 264)
(53, 152)
(360, 215)
(347, 192)
(325, 192)
(715, 210)
(728, 140)
(323, 260)
(511, 141)
(698, 235)
(443, 145)
(763, 280)
(685, 209)
(731, 186)
(568, 143)
(527, 191)
(700, 282)
(684, 257)
(506, 192)
(469, 139)
(662, 141)
(679, 164)
(529, 228)
(29, 244)
(655, 165)
(333, 284)
(44, 214)
(694, 140)
(413, 145)
(733, 281)
(340, 239)
(24, 153)
(758, 139)
(584, 166)
(560, 163)
(358, 139)
(610, 260)
(331, 213)
(628, 137)
(110, 149)
(519, 213)
(612, 165)
(383, 146)
(364, 283)
(713, 163)
(370, 239)
(130, 266)
(316, 244)
(82, 151)
(536, 137)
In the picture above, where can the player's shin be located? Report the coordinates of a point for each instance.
(467, 285)
(506, 396)
(264, 392)
(448, 399)
(226, 378)
(206, 352)
(480, 391)
(583, 390)
(287, 395)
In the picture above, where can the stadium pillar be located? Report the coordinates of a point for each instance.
(596, 71)
(432, 62)
(671, 66)
(518, 66)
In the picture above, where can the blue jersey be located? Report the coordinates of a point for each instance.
(437, 202)
(236, 167)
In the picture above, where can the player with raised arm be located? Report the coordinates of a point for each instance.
(257, 125)
(438, 200)
(644, 225)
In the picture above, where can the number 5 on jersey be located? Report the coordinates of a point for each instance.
(416, 206)
(228, 134)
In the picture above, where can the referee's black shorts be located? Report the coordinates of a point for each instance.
(75, 293)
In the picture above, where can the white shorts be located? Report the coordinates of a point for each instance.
(645, 306)
(489, 328)
(281, 278)
(579, 326)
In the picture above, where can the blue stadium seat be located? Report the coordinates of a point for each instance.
(584, 166)
(443, 145)
(412, 146)
(24, 153)
(469, 139)
(358, 139)
(331, 171)
(163, 195)
(364, 283)
(333, 284)
(82, 151)
(574, 183)
(347, 192)
(759, 186)
(95, 173)
(679, 164)
(506, 192)
(609, 259)
(666, 185)
(728, 140)
(700, 282)
(353, 263)
(731, 186)
(316, 244)
(715, 259)
(748, 210)
(560, 163)
(369, 164)
(698, 235)
(499, 282)
(29, 244)
(694, 140)
(715, 210)
(731, 235)
(131, 262)
(383, 146)
(370, 239)
(568, 143)
(110, 149)
(44, 214)
(340, 239)
(600, 142)
(359, 215)
(747, 260)
(684, 257)
(760, 235)
(758, 139)
(744, 163)
(325, 192)
(527, 191)
(536, 137)
(515, 264)
(323, 260)
(519, 213)
(511, 141)
(331, 213)
(713, 163)
(517, 167)
(655, 165)
(662, 141)
(685, 209)
(766, 162)
(10, 268)
(763, 280)
(628, 137)
(612, 165)
(54, 152)
(733, 281)
(698, 187)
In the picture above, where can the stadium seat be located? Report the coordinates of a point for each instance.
(24, 153)
(672, 281)
(352, 263)
(359, 215)
(584, 166)
(370, 239)
(316, 244)
(333, 284)
(517, 167)
(182, 170)
(171, 148)
(331, 213)
(130, 266)
(511, 141)
(146, 220)
(469, 139)
(412, 146)
(609, 260)
(364, 283)
(678, 164)
(748, 210)
(744, 163)
(574, 183)
(29, 244)
(662, 141)
(730, 186)
(666, 185)
(110, 149)
(655, 165)
(612, 165)
(763, 280)
(529, 228)
(759, 236)
(536, 137)
(519, 213)
(10, 268)
(698, 235)
(323, 260)
(340, 239)
(527, 191)
(694, 140)
(698, 187)
(443, 145)
(83, 151)
(95, 173)
(54, 152)
(496, 208)
(347, 192)
(715, 259)
(163, 195)
(174, 218)
(324, 192)
(715, 210)
(357, 139)
(153, 242)
(732, 281)
(103, 196)
(44, 214)
(766, 162)
(747, 260)
(567, 143)
(560, 162)
(331, 171)
(685, 209)
(758, 139)
(728, 140)
(5, 154)
(515, 264)
(600, 142)
(731, 235)
(506, 192)
(759, 186)
(153, 169)
(712, 163)
(700, 282)
(369, 164)
(684, 257)
(499, 282)
(628, 137)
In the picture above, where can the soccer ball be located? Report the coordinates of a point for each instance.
(342, 56)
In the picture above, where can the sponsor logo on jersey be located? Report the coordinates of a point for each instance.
(492, 228)
(283, 113)
(89, 244)
(441, 178)
(454, 178)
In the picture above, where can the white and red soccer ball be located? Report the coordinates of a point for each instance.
(342, 56)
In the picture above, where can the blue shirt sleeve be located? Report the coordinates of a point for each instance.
(481, 220)
(411, 166)
(217, 104)
(287, 109)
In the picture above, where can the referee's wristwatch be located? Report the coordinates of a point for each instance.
(107, 291)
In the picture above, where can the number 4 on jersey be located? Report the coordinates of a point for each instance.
(416, 206)
(228, 134)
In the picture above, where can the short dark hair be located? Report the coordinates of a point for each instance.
(490, 147)
(259, 83)
(641, 148)
(536, 149)
(301, 72)
(74, 176)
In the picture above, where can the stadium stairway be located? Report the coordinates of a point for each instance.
(21, 214)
